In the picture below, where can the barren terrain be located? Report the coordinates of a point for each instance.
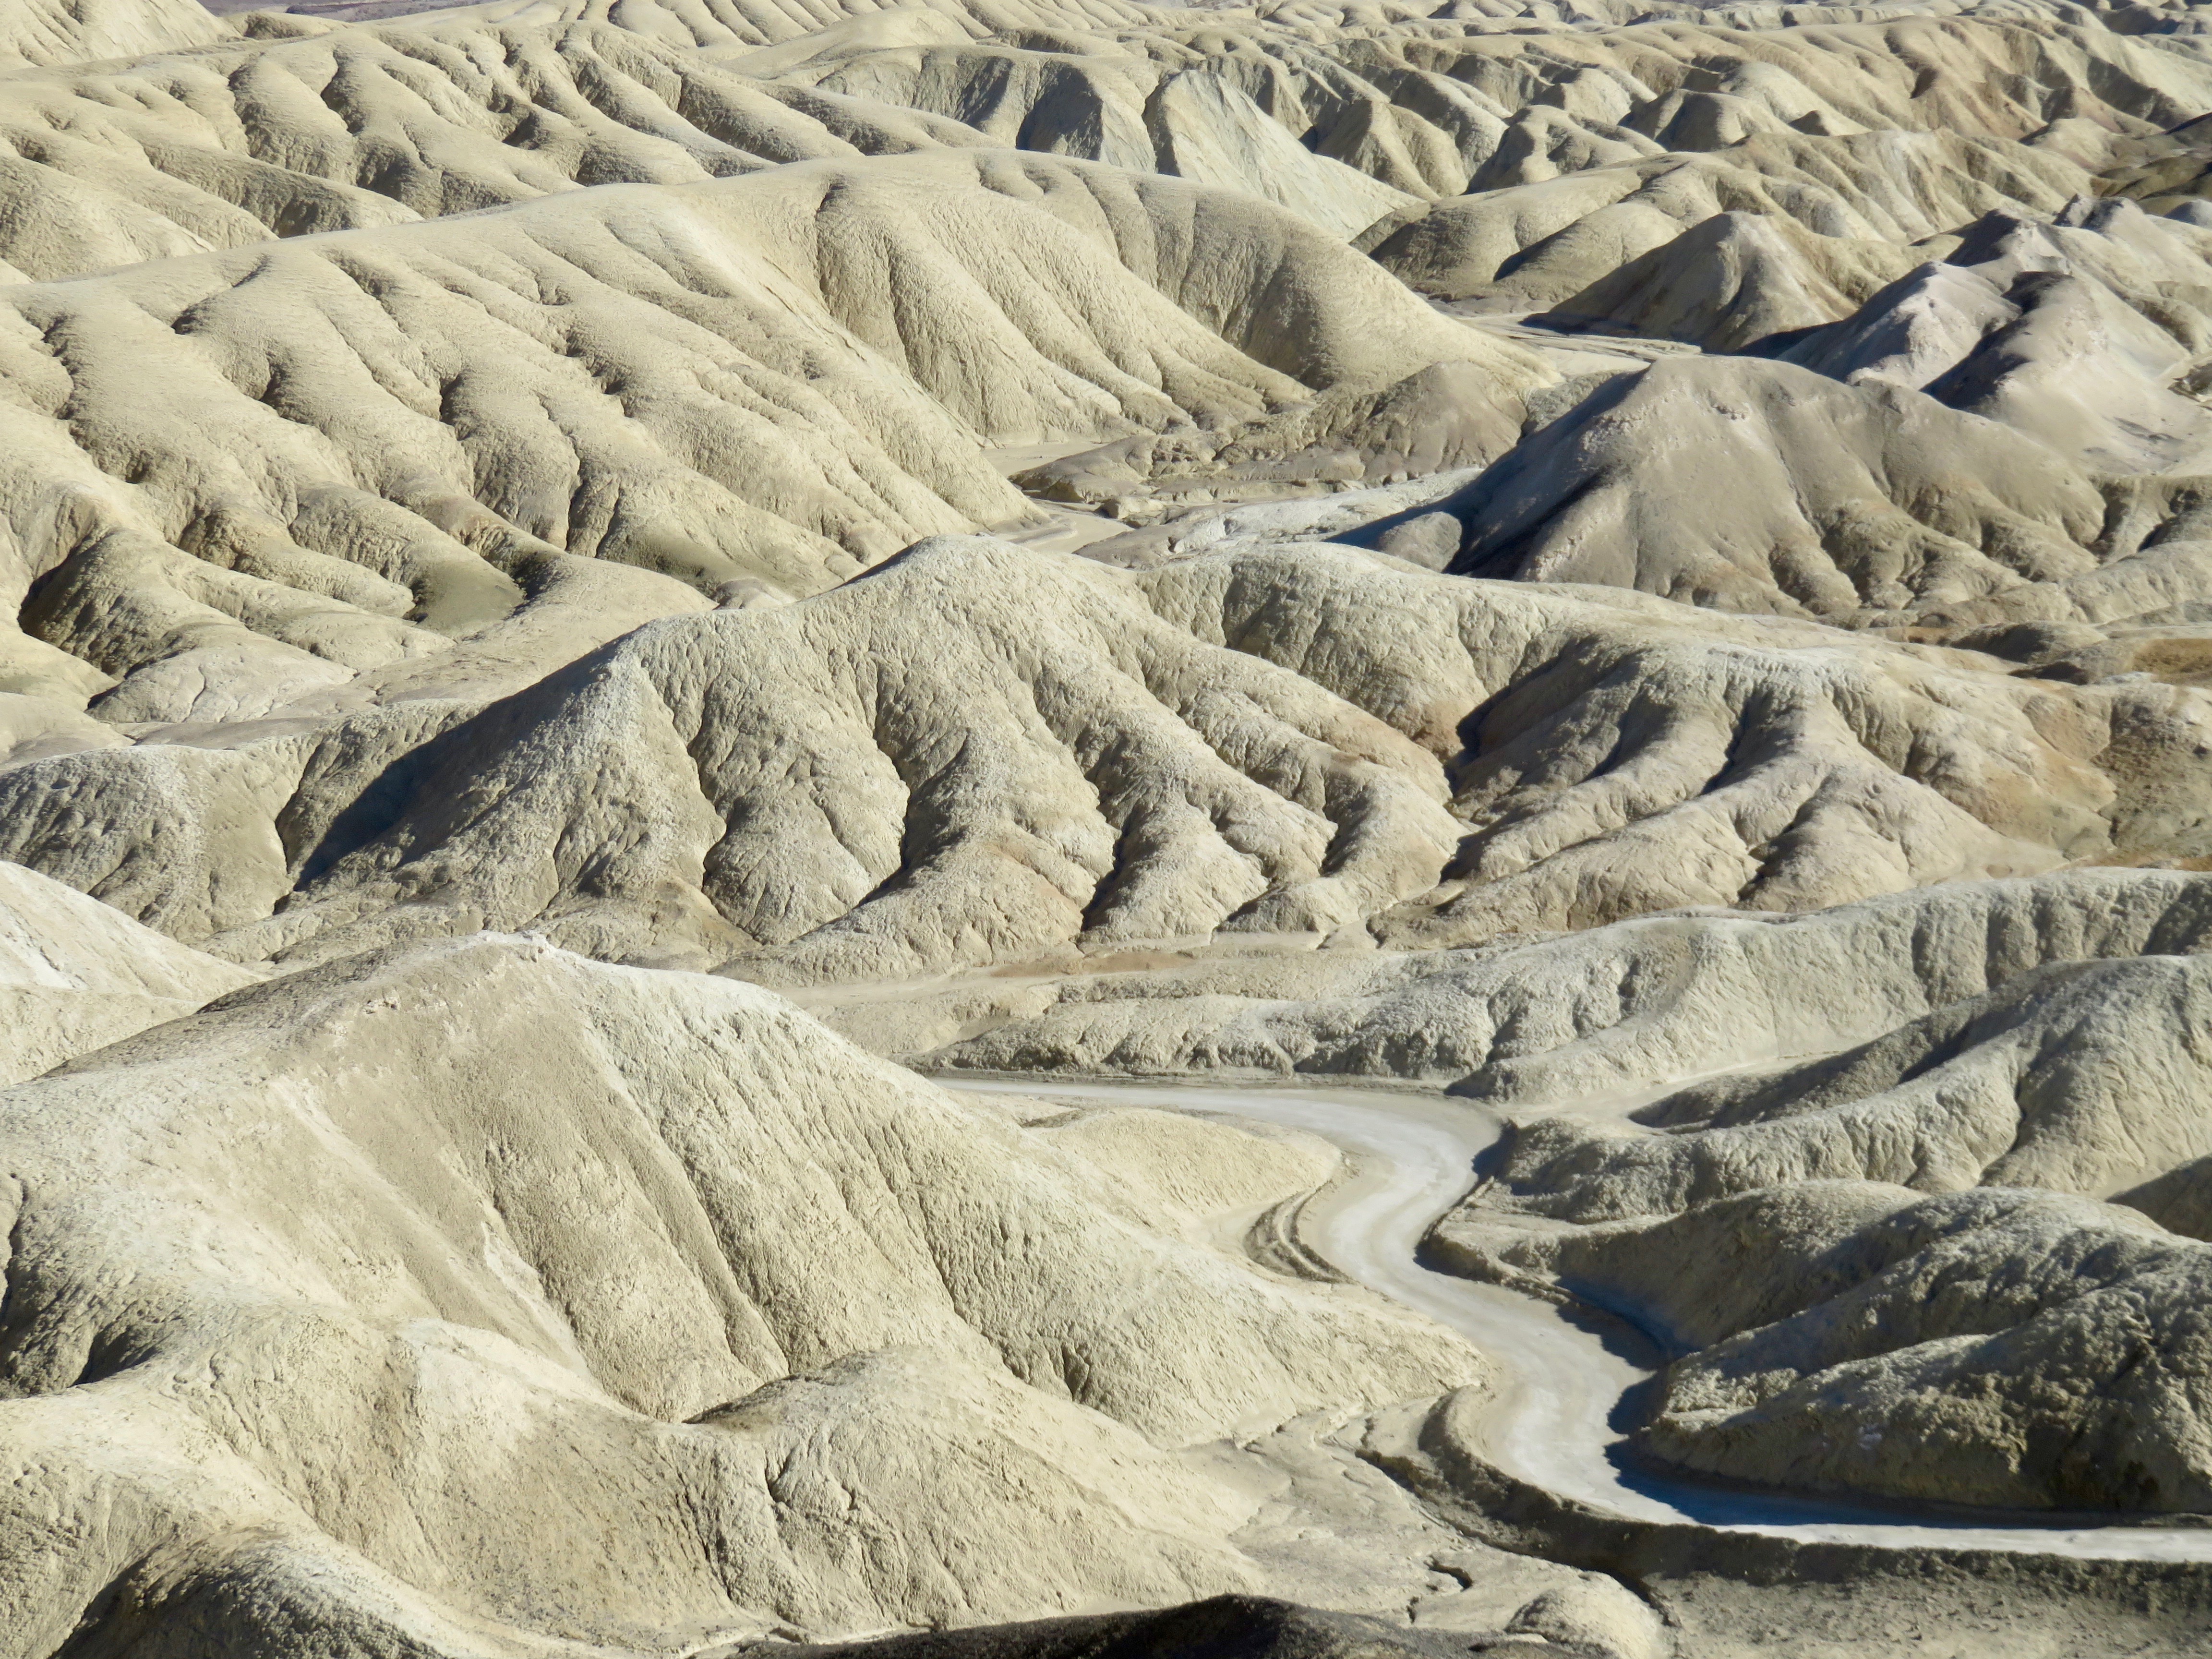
(1074, 830)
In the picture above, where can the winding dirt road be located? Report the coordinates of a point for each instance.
(1412, 1160)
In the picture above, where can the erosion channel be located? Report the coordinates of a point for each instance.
(1410, 1160)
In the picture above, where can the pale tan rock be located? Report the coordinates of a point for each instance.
(2013, 1348)
(519, 465)
(406, 1276)
(76, 975)
(1104, 105)
(46, 32)
(1746, 485)
(1010, 754)
(1537, 243)
(2081, 331)
(2080, 1077)
(1598, 1015)
(779, 377)
(1737, 279)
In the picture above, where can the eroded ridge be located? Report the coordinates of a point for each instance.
(1302, 830)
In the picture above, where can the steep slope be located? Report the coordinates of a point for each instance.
(1438, 106)
(1755, 486)
(1737, 279)
(1129, 108)
(721, 25)
(1649, 565)
(909, 773)
(286, 478)
(1602, 1014)
(357, 128)
(45, 32)
(76, 975)
(2081, 1077)
(2083, 331)
(1538, 244)
(1606, 763)
(1817, 124)
(2005, 1348)
(983, 753)
(1968, 452)
(663, 1312)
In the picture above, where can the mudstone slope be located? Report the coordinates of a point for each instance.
(607, 597)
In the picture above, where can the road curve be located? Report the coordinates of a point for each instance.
(1412, 1158)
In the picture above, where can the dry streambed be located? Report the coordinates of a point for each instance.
(1556, 1424)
